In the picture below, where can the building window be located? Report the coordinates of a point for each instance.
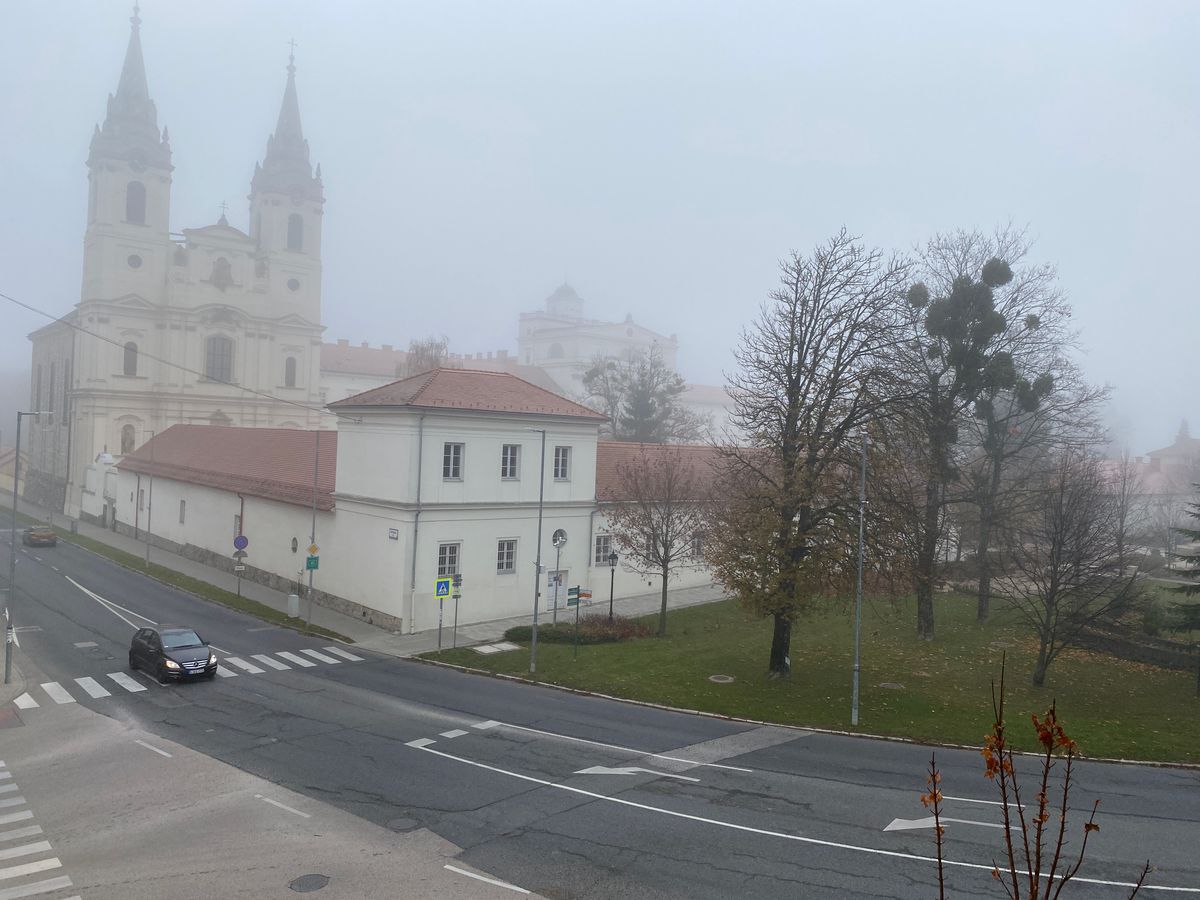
(37, 388)
(452, 457)
(182, 511)
(697, 547)
(50, 393)
(555, 351)
(506, 557)
(510, 461)
(562, 463)
(135, 203)
(295, 232)
(218, 358)
(141, 498)
(448, 559)
(289, 372)
(603, 549)
(126, 439)
(131, 360)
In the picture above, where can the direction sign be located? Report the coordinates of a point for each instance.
(241, 542)
(573, 596)
(313, 549)
(239, 568)
(441, 587)
(240, 554)
(312, 563)
(457, 580)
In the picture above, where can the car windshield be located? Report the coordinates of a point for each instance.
(181, 638)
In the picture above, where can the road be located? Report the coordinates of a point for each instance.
(556, 793)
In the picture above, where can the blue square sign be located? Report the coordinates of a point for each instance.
(441, 587)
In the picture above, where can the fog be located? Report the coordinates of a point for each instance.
(661, 157)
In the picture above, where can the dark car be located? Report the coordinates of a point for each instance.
(172, 651)
(39, 536)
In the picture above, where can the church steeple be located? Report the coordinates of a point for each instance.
(286, 167)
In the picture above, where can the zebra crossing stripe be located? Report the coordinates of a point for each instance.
(224, 672)
(15, 833)
(26, 702)
(25, 850)
(7, 788)
(126, 682)
(9, 818)
(37, 887)
(338, 651)
(270, 661)
(319, 656)
(242, 664)
(57, 692)
(4, 775)
(298, 660)
(93, 687)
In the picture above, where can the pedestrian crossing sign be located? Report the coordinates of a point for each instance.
(442, 587)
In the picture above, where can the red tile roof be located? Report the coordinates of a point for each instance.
(273, 463)
(470, 389)
(613, 456)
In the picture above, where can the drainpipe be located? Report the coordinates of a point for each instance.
(137, 505)
(591, 544)
(412, 582)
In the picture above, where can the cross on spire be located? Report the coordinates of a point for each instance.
(292, 55)
(224, 207)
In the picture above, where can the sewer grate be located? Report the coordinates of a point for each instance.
(722, 679)
(306, 884)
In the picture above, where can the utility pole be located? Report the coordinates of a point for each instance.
(862, 510)
(312, 536)
(537, 576)
(10, 630)
(150, 500)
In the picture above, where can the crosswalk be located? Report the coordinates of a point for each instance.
(25, 858)
(57, 694)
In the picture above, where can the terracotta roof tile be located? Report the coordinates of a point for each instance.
(612, 456)
(273, 463)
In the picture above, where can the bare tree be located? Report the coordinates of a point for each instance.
(1062, 557)
(813, 372)
(424, 354)
(1129, 512)
(642, 397)
(658, 517)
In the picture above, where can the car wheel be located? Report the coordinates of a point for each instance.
(161, 674)
(132, 661)
(211, 676)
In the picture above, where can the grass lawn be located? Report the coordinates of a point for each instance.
(1113, 708)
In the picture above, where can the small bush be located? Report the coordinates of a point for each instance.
(593, 629)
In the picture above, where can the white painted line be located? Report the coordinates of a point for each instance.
(320, 657)
(55, 568)
(4, 774)
(298, 660)
(930, 822)
(338, 651)
(218, 649)
(25, 850)
(281, 806)
(8, 788)
(126, 682)
(13, 801)
(503, 884)
(112, 607)
(14, 834)
(42, 865)
(969, 800)
(57, 692)
(155, 749)
(83, 645)
(733, 826)
(37, 887)
(421, 743)
(490, 723)
(457, 732)
(632, 770)
(243, 665)
(567, 737)
(93, 687)
(270, 661)
(9, 818)
(225, 673)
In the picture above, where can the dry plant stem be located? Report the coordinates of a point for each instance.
(1001, 768)
(1060, 841)
(934, 799)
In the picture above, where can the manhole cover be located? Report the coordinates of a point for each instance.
(402, 825)
(892, 686)
(721, 679)
(308, 883)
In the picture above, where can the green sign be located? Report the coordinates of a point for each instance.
(441, 587)
(573, 596)
(312, 563)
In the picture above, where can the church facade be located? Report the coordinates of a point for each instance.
(208, 325)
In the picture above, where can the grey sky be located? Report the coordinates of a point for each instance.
(660, 156)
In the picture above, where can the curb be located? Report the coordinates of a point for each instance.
(14, 689)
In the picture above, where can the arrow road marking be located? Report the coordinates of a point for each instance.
(631, 770)
(928, 822)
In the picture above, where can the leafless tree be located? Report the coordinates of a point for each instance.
(1125, 483)
(643, 399)
(424, 354)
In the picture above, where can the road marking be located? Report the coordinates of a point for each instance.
(155, 749)
(245, 666)
(126, 682)
(321, 657)
(14, 834)
(733, 826)
(490, 723)
(83, 645)
(969, 800)
(7, 788)
(503, 884)
(110, 606)
(457, 732)
(57, 692)
(25, 850)
(281, 806)
(225, 673)
(298, 660)
(218, 649)
(4, 775)
(93, 687)
(270, 661)
(42, 865)
(26, 702)
(929, 822)
(55, 568)
(9, 818)
(631, 770)
(567, 737)
(421, 743)
(37, 887)
(13, 801)
(338, 651)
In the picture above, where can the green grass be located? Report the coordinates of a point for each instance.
(1112, 707)
(187, 583)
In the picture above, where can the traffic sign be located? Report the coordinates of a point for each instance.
(573, 596)
(239, 568)
(313, 549)
(441, 587)
(241, 542)
(457, 580)
(312, 563)
(240, 554)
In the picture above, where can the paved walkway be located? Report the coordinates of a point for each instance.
(364, 634)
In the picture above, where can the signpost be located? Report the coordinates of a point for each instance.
(559, 540)
(240, 543)
(441, 590)
(574, 596)
(312, 563)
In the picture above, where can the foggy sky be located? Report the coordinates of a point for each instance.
(660, 156)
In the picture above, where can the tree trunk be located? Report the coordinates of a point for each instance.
(927, 563)
(987, 515)
(1043, 663)
(781, 645)
(662, 613)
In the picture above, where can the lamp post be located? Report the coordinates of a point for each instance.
(537, 571)
(10, 629)
(312, 535)
(559, 540)
(862, 508)
(150, 499)
(612, 580)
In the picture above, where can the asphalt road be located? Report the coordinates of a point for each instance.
(696, 807)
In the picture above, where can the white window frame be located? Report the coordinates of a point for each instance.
(506, 556)
(602, 549)
(182, 511)
(562, 463)
(510, 468)
(449, 559)
(453, 453)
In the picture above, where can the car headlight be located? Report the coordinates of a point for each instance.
(212, 659)
(171, 664)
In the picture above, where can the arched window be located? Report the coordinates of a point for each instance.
(126, 439)
(555, 351)
(135, 203)
(130, 358)
(289, 372)
(295, 232)
(218, 358)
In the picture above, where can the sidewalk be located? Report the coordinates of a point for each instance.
(368, 636)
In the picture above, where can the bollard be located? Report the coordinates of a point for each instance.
(293, 608)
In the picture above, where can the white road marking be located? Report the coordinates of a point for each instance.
(26, 702)
(42, 865)
(218, 649)
(93, 687)
(110, 606)
(421, 743)
(929, 822)
(321, 657)
(969, 800)
(126, 682)
(225, 673)
(57, 692)
(503, 884)
(298, 660)
(457, 732)
(344, 654)
(155, 749)
(13, 801)
(9, 818)
(37, 887)
(270, 661)
(490, 723)
(281, 806)
(14, 834)
(733, 826)
(632, 770)
(84, 645)
(8, 788)
(245, 666)
(25, 850)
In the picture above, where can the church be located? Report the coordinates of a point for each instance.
(237, 315)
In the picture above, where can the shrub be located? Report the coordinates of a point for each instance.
(593, 629)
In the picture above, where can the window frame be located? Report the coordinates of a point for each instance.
(212, 357)
(129, 362)
(598, 558)
(135, 203)
(562, 462)
(446, 550)
(506, 552)
(289, 372)
(453, 454)
(295, 232)
(510, 472)
(182, 512)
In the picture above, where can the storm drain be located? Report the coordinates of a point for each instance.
(306, 884)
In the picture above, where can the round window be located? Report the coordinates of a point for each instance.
(135, 261)
(293, 284)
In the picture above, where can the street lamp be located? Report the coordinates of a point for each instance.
(150, 498)
(537, 571)
(10, 630)
(559, 540)
(612, 580)
(862, 508)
